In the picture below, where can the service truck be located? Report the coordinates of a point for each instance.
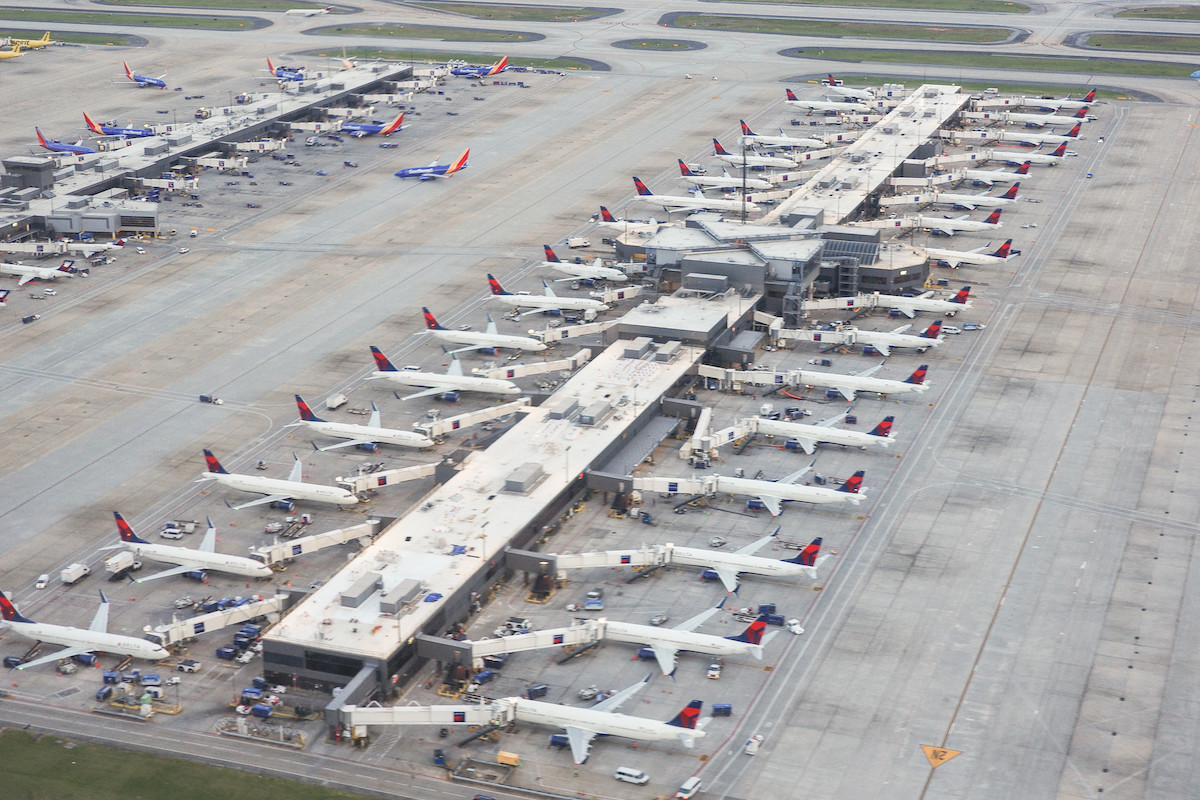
(121, 564)
(74, 572)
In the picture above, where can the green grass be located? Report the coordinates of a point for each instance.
(240, 5)
(75, 38)
(51, 768)
(517, 13)
(1148, 43)
(398, 31)
(857, 30)
(1164, 12)
(658, 44)
(126, 18)
(1099, 66)
(1025, 89)
(430, 57)
(986, 6)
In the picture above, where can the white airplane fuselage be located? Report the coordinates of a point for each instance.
(967, 200)
(600, 722)
(28, 273)
(726, 183)
(860, 383)
(588, 271)
(941, 223)
(292, 489)
(829, 105)
(990, 177)
(502, 340)
(751, 565)
(737, 160)
(889, 339)
(1034, 138)
(956, 257)
(671, 202)
(542, 301)
(632, 633)
(93, 640)
(449, 383)
(783, 141)
(200, 559)
(342, 430)
(911, 304)
(821, 433)
(818, 495)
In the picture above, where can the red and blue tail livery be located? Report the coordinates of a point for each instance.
(854, 482)
(126, 531)
(306, 413)
(550, 256)
(884, 428)
(689, 716)
(381, 361)
(213, 464)
(641, 187)
(933, 330)
(606, 215)
(753, 633)
(495, 286)
(808, 556)
(718, 149)
(9, 611)
(431, 323)
(965, 292)
(918, 376)
(1011, 194)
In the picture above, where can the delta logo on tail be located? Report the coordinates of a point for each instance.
(381, 361)
(495, 286)
(753, 633)
(689, 716)
(641, 187)
(1074, 132)
(126, 531)
(917, 378)
(9, 611)
(808, 556)
(1023, 169)
(606, 215)
(965, 292)
(994, 217)
(855, 481)
(306, 413)
(933, 330)
(1004, 251)
(213, 464)
(431, 323)
(791, 96)
(718, 149)
(550, 256)
(1090, 96)
(884, 428)
(1011, 194)
(684, 170)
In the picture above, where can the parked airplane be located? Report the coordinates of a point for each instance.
(782, 140)
(956, 258)
(1032, 120)
(13, 52)
(835, 85)
(34, 44)
(948, 226)
(360, 129)
(990, 177)
(109, 130)
(433, 383)
(667, 642)
(283, 73)
(367, 437)
(308, 12)
(973, 201)
(78, 641)
(1039, 138)
(293, 488)
(491, 339)
(1064, 104)
(909, 306)
(205, 557)
(143, 81)
(542, 303)
(695, 202)
(823, 432)
(1044, 159)
(594, 272)
(847, 106)
(726, 181)
(751, 159)
(772, 493)
(55, 146)
(884, 341)
(436, 170)
(849, 385)
(642, 227)
(481, 72)
(26, 273)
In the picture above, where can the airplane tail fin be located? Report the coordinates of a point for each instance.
(746, 129)
(381, 361)
(431, 322)
(499, 66)
(459, 162)
(213, 464)
(1011, 194)
(753, 633)
(853, 483)
(394, 125)
(918, 376)
(1024, 168)
(1081, 113)
(128, 71)
(808, 556)
(1090, 96)
(933, 330)
(1003, 250)
(91, 123)
(126, 530)
(550, 254)
(994, 217)
(641, 187)
(41, 138)
(683, 169)
(719, 149)
(606, 215)
(306, 413)
(495, 286)
(1074, 132)
(1061, 150)
(270, 67)
(684, 719)
(790, 94)
(884, 428)
(965, 291)
(9, 611)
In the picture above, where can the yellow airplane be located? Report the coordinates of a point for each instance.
(16, 51)
(34, 44)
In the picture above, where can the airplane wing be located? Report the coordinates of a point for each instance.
(423, 393)
(831, 421)
(100, 621)
(701, 618)
(491, 326)
(537, 310)
(262, 501)
(581, 742)
(907, 311)
(665, 654)
(55, 656)
(949, 230)
(883, 349)
(297, 472)
(866, 373)
(614, 702)
(167, 573)
(728, 577)
(755, 546)
(209, 543)
(470, 347)
(847, 393)
(455, 367)
(902, 328)
(24, 279)
(339, 445)
(373, 422)
(773, 505)
(809, 446)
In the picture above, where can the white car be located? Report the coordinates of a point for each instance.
(243, 710)
(753, 743)
(793, 625)
(42, 581)
(49, 292)
(246, 657)
(950, 329)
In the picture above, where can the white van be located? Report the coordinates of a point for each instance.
(689, 789)
(631, 775)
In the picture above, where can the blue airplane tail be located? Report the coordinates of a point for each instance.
(126, 530)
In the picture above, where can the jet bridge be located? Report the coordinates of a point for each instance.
(387, 477)
(538, 367)
(440, 427)
(551, 335)
(586, 633)
(283, 551)
(499, 713)
(181, 630)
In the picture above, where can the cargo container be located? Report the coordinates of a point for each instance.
(537, 690)
(227, 652)
(261, 710)
(74, 572)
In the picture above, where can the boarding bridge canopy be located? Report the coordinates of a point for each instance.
(303, 545)
(180, 630)
(439, 428)
(481, 714)
(537, 368)
(387, 477)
